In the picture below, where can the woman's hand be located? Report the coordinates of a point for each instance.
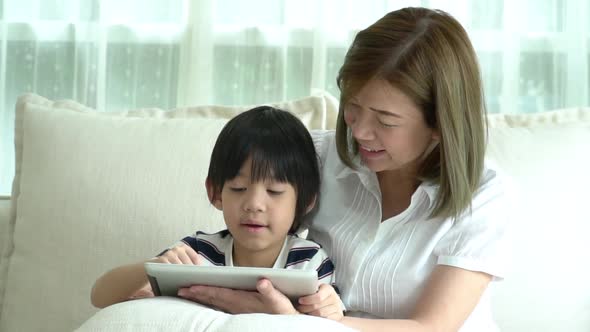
(325, 303)
(266, 300)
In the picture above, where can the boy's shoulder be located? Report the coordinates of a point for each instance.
(304, 254)
(296, 242)
(219, 239)
(299, 249)
(223, 234)
(212, 245)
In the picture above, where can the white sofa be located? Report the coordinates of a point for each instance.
(94, 189)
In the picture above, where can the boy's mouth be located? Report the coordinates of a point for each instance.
(252, 226)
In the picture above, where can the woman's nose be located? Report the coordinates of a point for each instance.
(361, 127)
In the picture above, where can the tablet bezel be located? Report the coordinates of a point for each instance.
(166, 279)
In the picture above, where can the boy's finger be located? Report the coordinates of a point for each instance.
(194, 257)
(184, 258)
(173, 259)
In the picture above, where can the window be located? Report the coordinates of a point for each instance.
(125, 54)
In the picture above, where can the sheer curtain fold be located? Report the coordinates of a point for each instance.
(122, 54)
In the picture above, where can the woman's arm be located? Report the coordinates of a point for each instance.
(450, 296)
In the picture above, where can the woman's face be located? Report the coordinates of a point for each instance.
(389, 128)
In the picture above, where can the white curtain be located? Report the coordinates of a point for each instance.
(121, 54)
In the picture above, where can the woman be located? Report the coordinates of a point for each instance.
(413, 219)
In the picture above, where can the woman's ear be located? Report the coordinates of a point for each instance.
(214, 198)
(436, 135)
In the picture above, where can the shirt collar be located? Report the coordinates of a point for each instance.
(278, 264)
(431, 190)
(428, 187)
(345, 171)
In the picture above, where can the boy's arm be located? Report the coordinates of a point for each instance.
(124, 282)
(119, 284)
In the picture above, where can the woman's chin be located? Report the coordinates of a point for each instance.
(374, 164)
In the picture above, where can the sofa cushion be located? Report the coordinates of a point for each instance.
(93, 190)
(173, 314)
(546, 156)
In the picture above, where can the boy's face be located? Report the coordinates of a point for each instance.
(258, 215)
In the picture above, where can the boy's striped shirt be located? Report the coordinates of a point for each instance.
(297, 253)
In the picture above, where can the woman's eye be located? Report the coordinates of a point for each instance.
(387, 125)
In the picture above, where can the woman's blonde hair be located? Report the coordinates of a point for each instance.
(428, 56)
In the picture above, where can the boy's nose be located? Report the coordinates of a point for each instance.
(254, 201)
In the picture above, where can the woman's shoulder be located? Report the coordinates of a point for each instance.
(325, 145)
(491, 202)
(480, 238)
(493, 182)
(323, 139)
(321, 134)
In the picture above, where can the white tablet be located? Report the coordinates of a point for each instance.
(166, 279)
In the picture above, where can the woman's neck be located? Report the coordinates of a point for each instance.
(397, 188)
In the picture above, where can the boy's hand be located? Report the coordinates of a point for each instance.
(180, 254)
(325, 303)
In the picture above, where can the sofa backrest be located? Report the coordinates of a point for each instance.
(546, 157)
(94, 190)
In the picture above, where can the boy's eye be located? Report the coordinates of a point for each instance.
(274, 192)
(237, 189)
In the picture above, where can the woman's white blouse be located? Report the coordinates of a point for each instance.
(382, 267)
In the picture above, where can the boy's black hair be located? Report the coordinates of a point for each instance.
(281, 149)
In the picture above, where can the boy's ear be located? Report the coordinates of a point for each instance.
(213, 197)
(311, 205)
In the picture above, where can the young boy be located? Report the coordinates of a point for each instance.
(264, 177)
